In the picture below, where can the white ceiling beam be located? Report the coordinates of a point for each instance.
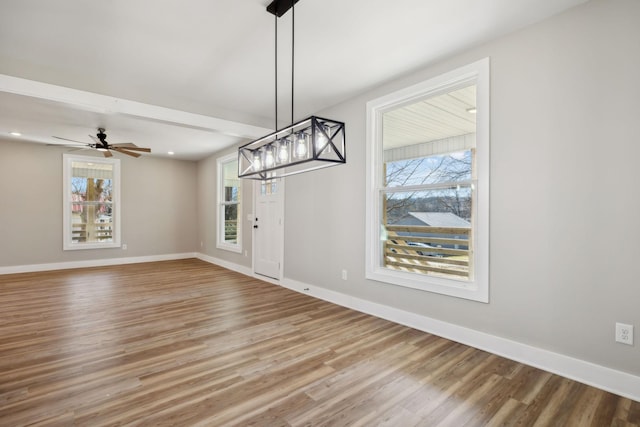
(89, 101)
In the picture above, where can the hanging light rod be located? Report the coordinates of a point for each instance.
(280, 7)
(310, 144)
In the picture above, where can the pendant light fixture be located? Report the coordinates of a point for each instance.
(309, 144)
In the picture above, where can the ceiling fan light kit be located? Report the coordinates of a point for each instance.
(310, 144)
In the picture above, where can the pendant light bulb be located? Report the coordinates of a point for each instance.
(256, 165)
(301, 145)
(321, 139)
(269, 159)
(283, 150)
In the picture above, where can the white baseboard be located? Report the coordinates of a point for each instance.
(93, 263)
(247, 271)
(226, 264)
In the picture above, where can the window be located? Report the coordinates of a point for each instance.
(91, 196)
(428, 185)
(229, 206)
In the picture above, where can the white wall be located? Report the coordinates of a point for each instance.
(158, 207)
(564, 225)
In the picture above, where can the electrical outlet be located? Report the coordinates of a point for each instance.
(344, 274)
(124, 246)
(624, 333)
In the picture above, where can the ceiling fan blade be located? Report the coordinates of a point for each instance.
(69, 145)
(131, 146)
(125, 151)
(67, 139)
(144, 150)
(106, 153)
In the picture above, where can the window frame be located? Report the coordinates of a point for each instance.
(477, 288)
(221, 204)
(67, 240)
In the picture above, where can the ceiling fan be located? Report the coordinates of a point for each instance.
(103, 146)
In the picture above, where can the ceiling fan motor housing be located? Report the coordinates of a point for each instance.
(102, 137)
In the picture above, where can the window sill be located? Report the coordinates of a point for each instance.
(473, 291)
(229, 247)
(81, 246)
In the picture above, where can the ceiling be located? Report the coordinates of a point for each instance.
(196, 77)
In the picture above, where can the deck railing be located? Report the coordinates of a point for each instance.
(97, 232)
(443, 251)
(231, 231)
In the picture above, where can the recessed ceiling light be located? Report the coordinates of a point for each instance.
(171, 153)
(15, 133)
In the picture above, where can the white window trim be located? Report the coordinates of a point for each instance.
(67, 243)
(220, 243)
(477, 288)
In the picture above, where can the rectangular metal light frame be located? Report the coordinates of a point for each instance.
(309, 144)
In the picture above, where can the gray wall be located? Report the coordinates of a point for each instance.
(158, 206)
(564, 227)
(208, 212)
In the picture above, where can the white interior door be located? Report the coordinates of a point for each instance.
(268, 231)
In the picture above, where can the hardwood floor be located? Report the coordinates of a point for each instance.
(188, 343)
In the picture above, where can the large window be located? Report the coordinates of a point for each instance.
(229, 204)
(428, 185)
(91, 202)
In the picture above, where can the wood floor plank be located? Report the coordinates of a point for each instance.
(506, 413)
(633, 415)
(187, 343)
